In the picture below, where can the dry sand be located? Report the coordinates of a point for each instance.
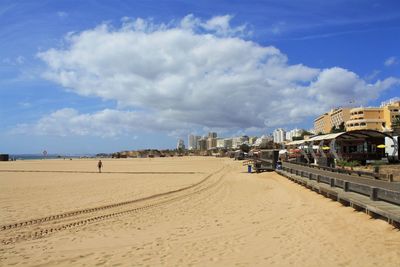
(230, 219)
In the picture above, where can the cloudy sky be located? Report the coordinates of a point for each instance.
(102, 76)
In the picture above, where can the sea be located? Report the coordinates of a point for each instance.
(49, 156)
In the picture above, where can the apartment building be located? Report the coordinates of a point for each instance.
(334, 118)
(391, 112)
(192, 141)
(322, 124)
(374, 118)
(279, 136)
(211, 143)
(293, 133)
(224, 143)
(339, 116)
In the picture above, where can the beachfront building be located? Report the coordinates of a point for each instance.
(322, 124)
(192, 141)
(359, 145)
(263, 141)
(293, 133)
(228, 143)
(180, 145)
(238, 141)
(339, 117)
(374, 118)
(211, 143)
(252, 140)
(335, 118)
(225, 143)
(279, 135)
(202, 144)
(220, 143)
(212, 135)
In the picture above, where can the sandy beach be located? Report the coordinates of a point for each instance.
(188, 211)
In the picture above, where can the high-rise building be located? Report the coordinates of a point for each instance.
(333, 118)
(339, 117)
(279, 136)
(211, 143)
(202, 144)
(293, 133)
(212, 135)
(192, 142)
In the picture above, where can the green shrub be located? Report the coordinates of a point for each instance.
(345, 163)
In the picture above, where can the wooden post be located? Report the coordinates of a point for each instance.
(332, 182)
(346, 186)
(374, 194)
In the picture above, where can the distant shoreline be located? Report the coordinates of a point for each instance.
(41, 157)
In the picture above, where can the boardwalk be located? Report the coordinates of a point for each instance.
(393, 186)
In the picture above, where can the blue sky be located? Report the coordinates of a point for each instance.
(103, 76)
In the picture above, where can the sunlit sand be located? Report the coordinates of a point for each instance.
(213, 213)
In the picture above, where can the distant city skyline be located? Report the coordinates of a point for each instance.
(102, 76)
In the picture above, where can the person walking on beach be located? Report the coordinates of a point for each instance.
(100, 165)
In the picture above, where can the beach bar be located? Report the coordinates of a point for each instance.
(359, 145)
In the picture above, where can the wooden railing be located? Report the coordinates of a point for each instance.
(375, 193)
(373, 175)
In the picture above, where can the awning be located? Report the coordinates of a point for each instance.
(357, 134)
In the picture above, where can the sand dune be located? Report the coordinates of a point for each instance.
(230, 219)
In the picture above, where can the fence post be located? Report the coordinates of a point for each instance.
(374, 194)
(332, 182)
(318, 178)
(310, 175)
(390, 177)
(346, 186)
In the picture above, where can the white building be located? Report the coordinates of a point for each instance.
(224, 143)
(279, 136)
(228, 143)
(238, 141)
(192, 142)
(263, 141)
(293, 133)
(180, 145)
(220, 143)
(252, 140)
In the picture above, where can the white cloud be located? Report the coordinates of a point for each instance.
(192, 74)
(105, 123)
(391, 61)
(218, 25)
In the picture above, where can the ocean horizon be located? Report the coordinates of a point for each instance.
(42, 157)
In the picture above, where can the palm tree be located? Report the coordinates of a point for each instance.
(396, 126)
